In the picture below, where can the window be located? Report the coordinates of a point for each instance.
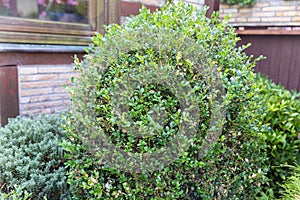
(67, 22)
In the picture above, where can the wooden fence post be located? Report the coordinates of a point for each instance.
(9, 93)
(214, 5)
(114, 11)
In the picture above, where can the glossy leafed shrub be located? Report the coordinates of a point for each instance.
(280, 115)
(31, 158)
(232, 169)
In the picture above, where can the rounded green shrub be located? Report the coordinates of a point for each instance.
(31, 157)
(233, 169)
(280, 117)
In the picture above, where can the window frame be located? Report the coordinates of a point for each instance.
(34, 31)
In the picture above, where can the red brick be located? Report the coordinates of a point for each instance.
(60, 90)
(288, 13)
(24, 100)
(263, 14)
(67, 76)
(61, 96)
(296, 19)
(241, 19)
(38, 77)
(35, 111)
(42, 105)
(262, 4)
(42, 98)
(60, 109)
(28, 70)
(41, 84)
(279, 8)
(276, 19)
(225, 6)
(55, 69)
(249, 10)
(67, 102)
(253, 19)
(31, 92)
(231, 10)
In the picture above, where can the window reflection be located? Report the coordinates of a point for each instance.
(75, 11)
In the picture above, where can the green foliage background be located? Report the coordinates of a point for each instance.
(242, 3)
(280, 121)
(292, 185)
(233, 169)
(31, 158)
(252, 159)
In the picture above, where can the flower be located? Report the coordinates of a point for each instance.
(47, 5)
(43, 14)
(62, 10)
(72, 2)
(47, 2)
(5, 3)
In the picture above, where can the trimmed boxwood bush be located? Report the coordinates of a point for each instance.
(280, 120)
(32, 159)
(233, 169)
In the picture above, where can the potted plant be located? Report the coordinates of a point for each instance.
(62, 10)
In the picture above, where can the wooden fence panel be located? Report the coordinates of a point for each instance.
(283, 56)
(9, 95)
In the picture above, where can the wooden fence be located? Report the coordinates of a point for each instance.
(9, 96)
(282, 49)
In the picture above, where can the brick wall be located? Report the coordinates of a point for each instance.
(265, 12)
(41, 88)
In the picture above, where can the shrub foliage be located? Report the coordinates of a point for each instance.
(15, 194)
(292, 186)
(242, 3)
(280, 119)
(32, 159)
(232, 169)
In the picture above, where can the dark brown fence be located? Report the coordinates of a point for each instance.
(9, 96)
(282, 49)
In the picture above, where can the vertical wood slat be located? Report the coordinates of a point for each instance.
(283, 61)
(13, 8)
(114, 11)
(9, 95)
(133, 8)
(214, 5)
